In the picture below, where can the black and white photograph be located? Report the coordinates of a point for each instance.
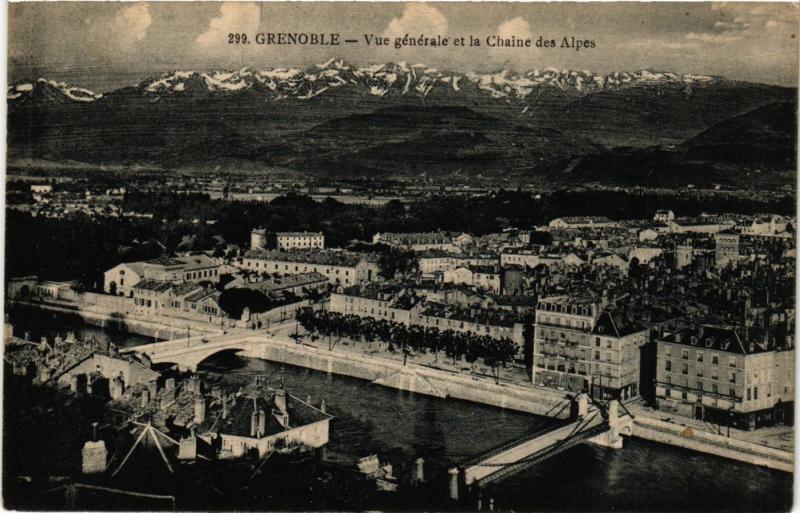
(400, 256)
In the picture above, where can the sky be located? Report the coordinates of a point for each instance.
(105, 45)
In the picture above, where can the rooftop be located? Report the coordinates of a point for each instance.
(487, 316)
(299, 234)
(277, 283)
(154, 285)
(255, 399)
(731, 339)
(203, 294)
(417, 238)
(312, 256)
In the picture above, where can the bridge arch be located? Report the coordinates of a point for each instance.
(189, 357)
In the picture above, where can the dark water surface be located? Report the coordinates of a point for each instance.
(399, 427)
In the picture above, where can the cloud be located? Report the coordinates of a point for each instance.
(776, 24)
(706, 37)
(646, 44)
(233, 17)
(131, 23)
(518, 27)
(417, 18)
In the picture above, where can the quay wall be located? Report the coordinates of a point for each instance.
(126, 324)
(664, 432)
(528, 400)
(416, 378)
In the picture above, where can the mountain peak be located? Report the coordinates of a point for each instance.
(43, 89)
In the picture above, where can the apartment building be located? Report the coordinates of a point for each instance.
(581, 345)
(726, 375)
(377, 301)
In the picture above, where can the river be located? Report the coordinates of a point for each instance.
(401, 426)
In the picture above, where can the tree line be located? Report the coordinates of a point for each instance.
(413, 339)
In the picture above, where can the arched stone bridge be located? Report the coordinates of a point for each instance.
(188, 353)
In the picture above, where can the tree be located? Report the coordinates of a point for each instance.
(234, 300)
(498, 352)
(397, 261)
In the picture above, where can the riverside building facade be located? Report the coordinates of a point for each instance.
(580, 344)
(726, 375)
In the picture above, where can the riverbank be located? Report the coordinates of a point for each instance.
(701, 441)
(145, 326)
(413, 377)
(535, 400)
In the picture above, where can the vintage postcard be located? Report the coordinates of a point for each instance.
(387, 256)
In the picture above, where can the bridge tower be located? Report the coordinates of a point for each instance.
(611, 438)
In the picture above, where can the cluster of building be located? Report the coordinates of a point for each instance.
(47, 200)
(607, 307)
(210, 422)
(610, 301)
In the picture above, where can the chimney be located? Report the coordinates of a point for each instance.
(253, 423)
(262, 423)
(280, 401)
(224, 406)
(94, 431)
(199, 410)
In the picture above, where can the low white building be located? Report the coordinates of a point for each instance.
(581, 222)
(120, 279)
(663, 216)
(285, 241)
(343, 268)
(485, 278)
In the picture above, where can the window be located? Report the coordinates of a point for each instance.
(732, 362)
(714, 360)
(685, 354)
(669, 379)
(684, 368)
(748, 394)
(714, 388)
(608, 344)
(699, 356)
(668, 365)
(699, 369)
(755, 393)
(732, 377)
(597, 355)
(597, 341)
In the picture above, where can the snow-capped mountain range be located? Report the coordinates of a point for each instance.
(390, 79)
